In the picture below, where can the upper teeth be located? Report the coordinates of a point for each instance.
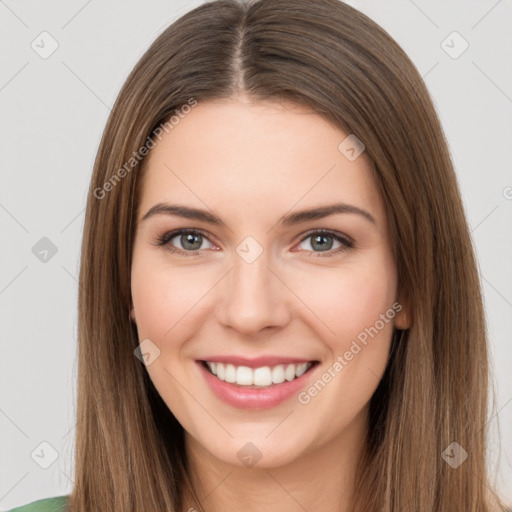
(263, 376)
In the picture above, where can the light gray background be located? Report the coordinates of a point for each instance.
(52, 115)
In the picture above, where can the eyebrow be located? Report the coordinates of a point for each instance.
(287, 220)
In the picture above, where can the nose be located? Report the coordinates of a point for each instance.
(253, 297)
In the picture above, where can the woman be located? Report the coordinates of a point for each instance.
(279, 306)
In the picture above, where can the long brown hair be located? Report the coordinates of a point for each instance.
(326, 55)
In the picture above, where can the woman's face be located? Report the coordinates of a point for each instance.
(258, 285)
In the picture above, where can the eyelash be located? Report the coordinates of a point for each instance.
(163, 241)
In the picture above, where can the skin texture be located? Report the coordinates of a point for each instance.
(251, 163)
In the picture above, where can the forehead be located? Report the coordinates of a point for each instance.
(265, 154)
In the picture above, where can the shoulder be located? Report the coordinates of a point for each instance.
(57, 504)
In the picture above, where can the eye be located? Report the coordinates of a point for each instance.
(324, 240)
(191, 241)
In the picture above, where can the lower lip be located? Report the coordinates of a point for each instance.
(253, 398)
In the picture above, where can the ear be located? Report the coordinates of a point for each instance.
(132, 314)
(403, 318)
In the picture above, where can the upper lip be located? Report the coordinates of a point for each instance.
(256, 362)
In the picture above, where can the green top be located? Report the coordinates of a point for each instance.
(57, 504)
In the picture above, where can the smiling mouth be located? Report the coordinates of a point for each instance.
(258, 378)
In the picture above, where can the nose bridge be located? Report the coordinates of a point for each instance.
(253, 297)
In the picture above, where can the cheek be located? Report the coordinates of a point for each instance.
(163, 297)
(165, 301)
(356, 304)
(151, 300)
(351, 298)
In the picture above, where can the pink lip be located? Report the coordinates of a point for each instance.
(254, 398)
(255, 362)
